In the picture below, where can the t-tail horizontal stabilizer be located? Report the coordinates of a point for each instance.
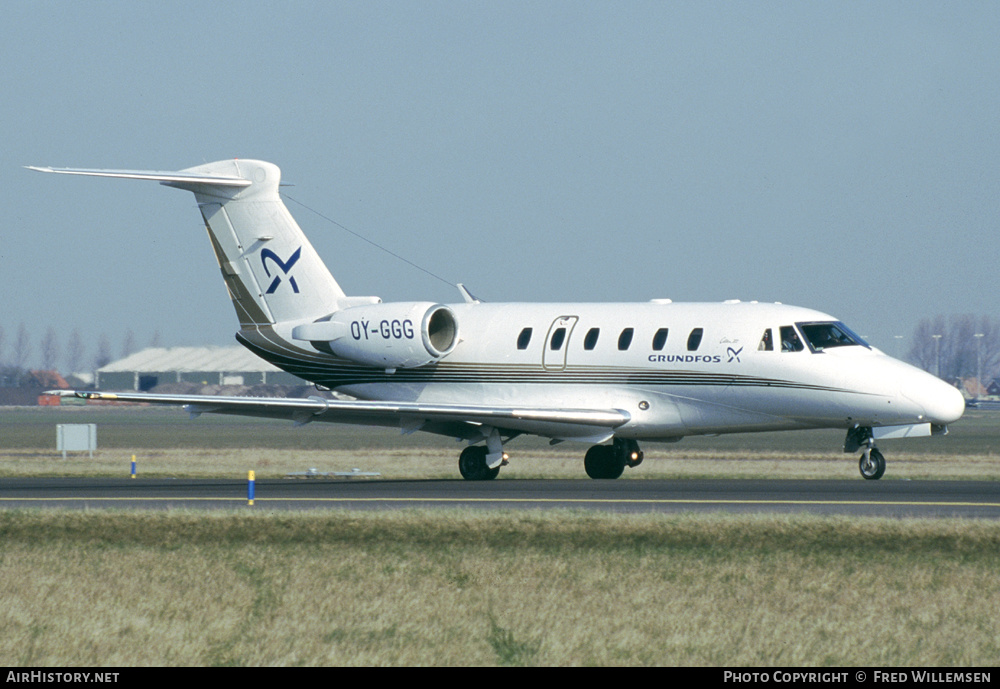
(179, 179)
(272, 271)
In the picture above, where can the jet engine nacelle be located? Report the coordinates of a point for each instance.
(397, 335)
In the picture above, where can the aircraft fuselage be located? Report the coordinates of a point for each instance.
(676, 368)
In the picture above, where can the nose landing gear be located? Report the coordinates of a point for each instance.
(872, 464)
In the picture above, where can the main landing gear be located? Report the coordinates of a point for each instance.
(482, 463)
(473, 465)
(872, 463)
(601, 461)
(609, 461)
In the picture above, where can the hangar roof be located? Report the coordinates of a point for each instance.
(221, 359)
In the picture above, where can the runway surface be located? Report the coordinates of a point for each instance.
(967, 499)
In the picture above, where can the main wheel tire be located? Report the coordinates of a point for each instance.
(601, 461)
(472, 465)
(872, 465)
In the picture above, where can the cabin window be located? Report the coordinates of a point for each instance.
(766, 342)
(625, 339)
(590, 340)
(659, 340)
(558, 337)
(822, 336)
(524, 338)
(790, 341)
(694, 339)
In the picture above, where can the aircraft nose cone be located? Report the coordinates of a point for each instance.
(942, 403)
(948, 406)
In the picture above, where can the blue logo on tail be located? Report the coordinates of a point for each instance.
(285, 267)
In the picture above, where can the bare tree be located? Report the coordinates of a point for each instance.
(103, 356)
(987, 348)
(923, 347)
(128, 343)
(22, 348)
(74, 351)
(957, 346)
(50, 349)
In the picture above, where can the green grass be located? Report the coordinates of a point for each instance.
(167, 443)
(451, 588)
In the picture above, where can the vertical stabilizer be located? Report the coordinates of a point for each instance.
(272, 271)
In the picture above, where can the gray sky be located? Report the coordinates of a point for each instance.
(840, 156)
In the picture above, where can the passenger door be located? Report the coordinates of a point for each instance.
(557, 343)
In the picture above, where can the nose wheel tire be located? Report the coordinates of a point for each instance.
(872, 465)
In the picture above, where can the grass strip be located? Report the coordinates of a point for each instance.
(538, 530)
(442, 587)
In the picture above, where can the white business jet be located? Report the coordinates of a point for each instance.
(487, 373)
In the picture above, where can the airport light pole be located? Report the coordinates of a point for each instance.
(979, 361)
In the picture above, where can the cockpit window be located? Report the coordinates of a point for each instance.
(766, 342)
(826, 335)
(790, 341)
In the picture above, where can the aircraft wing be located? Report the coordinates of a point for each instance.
(456, 420)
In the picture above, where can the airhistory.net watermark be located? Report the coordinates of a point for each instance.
(32, 676)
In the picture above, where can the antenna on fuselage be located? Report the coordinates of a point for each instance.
(467, 295)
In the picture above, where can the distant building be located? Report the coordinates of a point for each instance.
(47, 380)
(228, 366)
(972, 388)
(993, 389)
